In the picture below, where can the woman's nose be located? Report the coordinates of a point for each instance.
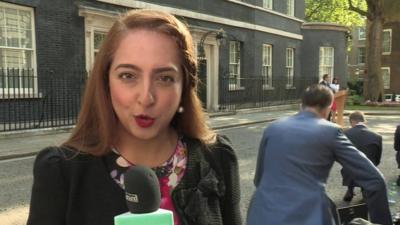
(146, 96)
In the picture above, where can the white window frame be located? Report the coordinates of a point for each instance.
(268, 4)
(386, 85)
(362, 33)
(290, 67)
(360, 56)
(290, 7)
(266, 70)
(326, 68)
(234, 61)
(389, 42)
(21, 92)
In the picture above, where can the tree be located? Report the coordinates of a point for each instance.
(334, 11)
(373, 81)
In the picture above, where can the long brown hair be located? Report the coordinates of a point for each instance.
(97, 120)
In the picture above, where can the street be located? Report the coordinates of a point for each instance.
(16, 175)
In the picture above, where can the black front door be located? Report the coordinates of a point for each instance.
(202, 87)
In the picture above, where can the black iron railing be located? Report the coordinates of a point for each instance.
(28, 101)
(239, 93)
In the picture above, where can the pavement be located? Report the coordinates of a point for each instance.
(28, 143)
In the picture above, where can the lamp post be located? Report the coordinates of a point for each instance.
(219, 34)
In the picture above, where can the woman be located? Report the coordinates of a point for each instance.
(140, 108)
(335, 88)
(335, 85)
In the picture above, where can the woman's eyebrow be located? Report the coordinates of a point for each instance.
(128, 66)
(165, 69)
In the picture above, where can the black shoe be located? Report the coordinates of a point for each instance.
(398, 181)
(348, 196)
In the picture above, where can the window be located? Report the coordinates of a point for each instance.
(267, 66)
(326, 55)
(386, 77)
(98, 37)
(267, 4)
(17, 49)
(234, 65)
(361, 33)
(290, 7)
(387, 42)
(361, 55)
(289, 66)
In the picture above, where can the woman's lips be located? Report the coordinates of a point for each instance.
(144, 121)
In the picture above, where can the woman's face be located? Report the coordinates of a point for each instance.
(145, 83)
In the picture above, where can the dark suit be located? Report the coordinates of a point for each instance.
(325, 83)
(368, 142)
(397, 145)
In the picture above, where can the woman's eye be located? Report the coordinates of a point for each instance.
(166, 78)
(127, 76)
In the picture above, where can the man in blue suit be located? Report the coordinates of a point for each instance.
(295, 157)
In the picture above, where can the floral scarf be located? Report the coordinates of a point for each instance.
(169, 173)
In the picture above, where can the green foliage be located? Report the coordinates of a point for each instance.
(355, 92)
(355, 100)
(356, 87)
(334, 11)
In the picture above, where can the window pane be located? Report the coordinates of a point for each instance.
(11, 18)
(12, 37)
(326, 61)
(234, 62)
(361, 55)
(361, 33)
(386, 41)
(3, 36)
(267, 4)
(2, 78)
(290, 7)
(231, 52)
(2, 58)
(2, 28)
(26, 59)
(12, 58)
(26, 38)
(98, 39)
(25, 19)
(386, 78)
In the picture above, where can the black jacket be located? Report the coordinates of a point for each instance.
(368, 142)
(396, 145)
(397, 139)
(76, 189)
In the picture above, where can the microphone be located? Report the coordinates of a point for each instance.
(143, 197)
